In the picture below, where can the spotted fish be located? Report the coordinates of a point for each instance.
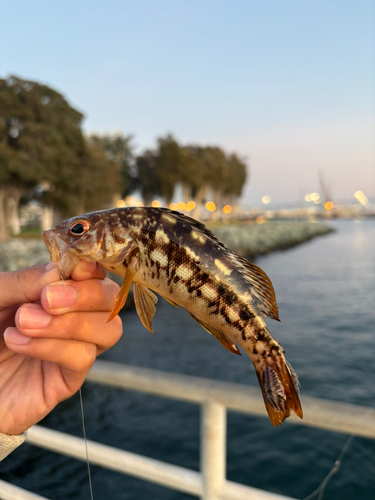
(180, 259)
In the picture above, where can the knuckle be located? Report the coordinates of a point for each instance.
(111, 287)
(117, 327)
(23, 279)
(85, 358)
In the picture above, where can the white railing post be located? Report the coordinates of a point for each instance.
(213, 448)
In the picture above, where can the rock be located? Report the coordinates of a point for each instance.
(251, 240)
(16, 253)
(248, 240)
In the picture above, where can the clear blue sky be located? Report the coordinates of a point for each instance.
(288, 84)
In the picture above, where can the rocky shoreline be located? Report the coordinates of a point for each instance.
(248, 241)
(253, 240)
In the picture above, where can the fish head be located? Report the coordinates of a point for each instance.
(93, 237)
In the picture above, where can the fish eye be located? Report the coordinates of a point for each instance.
(79, 227)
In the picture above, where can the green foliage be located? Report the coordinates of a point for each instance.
(200, 170)
(169, 166)
(119, 150)
(43, 153)
(147, 178)
(42, 150)
(39, 133)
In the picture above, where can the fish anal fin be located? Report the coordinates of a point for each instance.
(145, 302)
(130, 272)
(223, 338)
(261, 289)
(171, 302)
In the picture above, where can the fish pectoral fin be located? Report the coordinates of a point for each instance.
(261, 290)
(222, 337)
(130, 272)
(171, 302)
(145, 302)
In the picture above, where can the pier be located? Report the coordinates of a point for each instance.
(215, 398)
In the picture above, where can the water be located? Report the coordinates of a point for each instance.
(325, 291)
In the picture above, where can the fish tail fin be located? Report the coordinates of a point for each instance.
(280, 389)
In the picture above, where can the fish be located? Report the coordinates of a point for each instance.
(179, 258)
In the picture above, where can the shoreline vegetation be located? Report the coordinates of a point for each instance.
(249, 241)
(253, 240)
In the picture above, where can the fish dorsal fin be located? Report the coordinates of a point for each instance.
(192, 224)
(130, 272)
(224, 339)
(261, 289)
(171, 302)
(145, 302)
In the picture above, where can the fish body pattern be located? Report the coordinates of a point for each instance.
(160, 250)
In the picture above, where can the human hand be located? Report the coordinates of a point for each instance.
(50, 334)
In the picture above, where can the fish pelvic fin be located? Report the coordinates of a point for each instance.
(130, 272)
(280, 389)
(145, 302)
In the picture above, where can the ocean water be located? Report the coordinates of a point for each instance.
(326, 295)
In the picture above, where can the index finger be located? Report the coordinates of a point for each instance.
(70, 296)
(87, 270)
(26, 285)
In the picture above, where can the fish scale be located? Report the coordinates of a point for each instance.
(162, 251)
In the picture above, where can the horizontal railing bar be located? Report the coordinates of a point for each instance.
(149, 469)
(11, 492)
(170, 476)
(236, 491)
(324, 414)
(237, 397)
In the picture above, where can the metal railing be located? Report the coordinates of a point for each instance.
(215, 398)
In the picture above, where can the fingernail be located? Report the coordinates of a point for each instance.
(60, 296)
(13, 336)
(33, 317)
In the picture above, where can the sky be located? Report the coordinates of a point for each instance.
(288, 85)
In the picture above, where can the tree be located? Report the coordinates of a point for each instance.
(237, 177)
(169, 161)
(200, 171)
(147, 179)
(210, 172)
(118, 149)
(43, 152)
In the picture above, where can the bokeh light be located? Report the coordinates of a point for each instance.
(211, 207)
(361, 197)
(328, 205)
(173, 206)
(156, 204)
(261, 219)
(190, 205)
(315, 197)
(120, 203)
(181, 205)
(266, 199)
(227, 209)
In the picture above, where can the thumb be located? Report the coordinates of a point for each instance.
(26, 285)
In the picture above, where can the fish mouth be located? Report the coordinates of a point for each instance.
(54, 244)
(59, 252)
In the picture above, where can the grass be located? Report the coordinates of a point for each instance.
(29, 232)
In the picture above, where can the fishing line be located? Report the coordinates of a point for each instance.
(86, 447)
(336, 466)
(332, 472)
(82, 417)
